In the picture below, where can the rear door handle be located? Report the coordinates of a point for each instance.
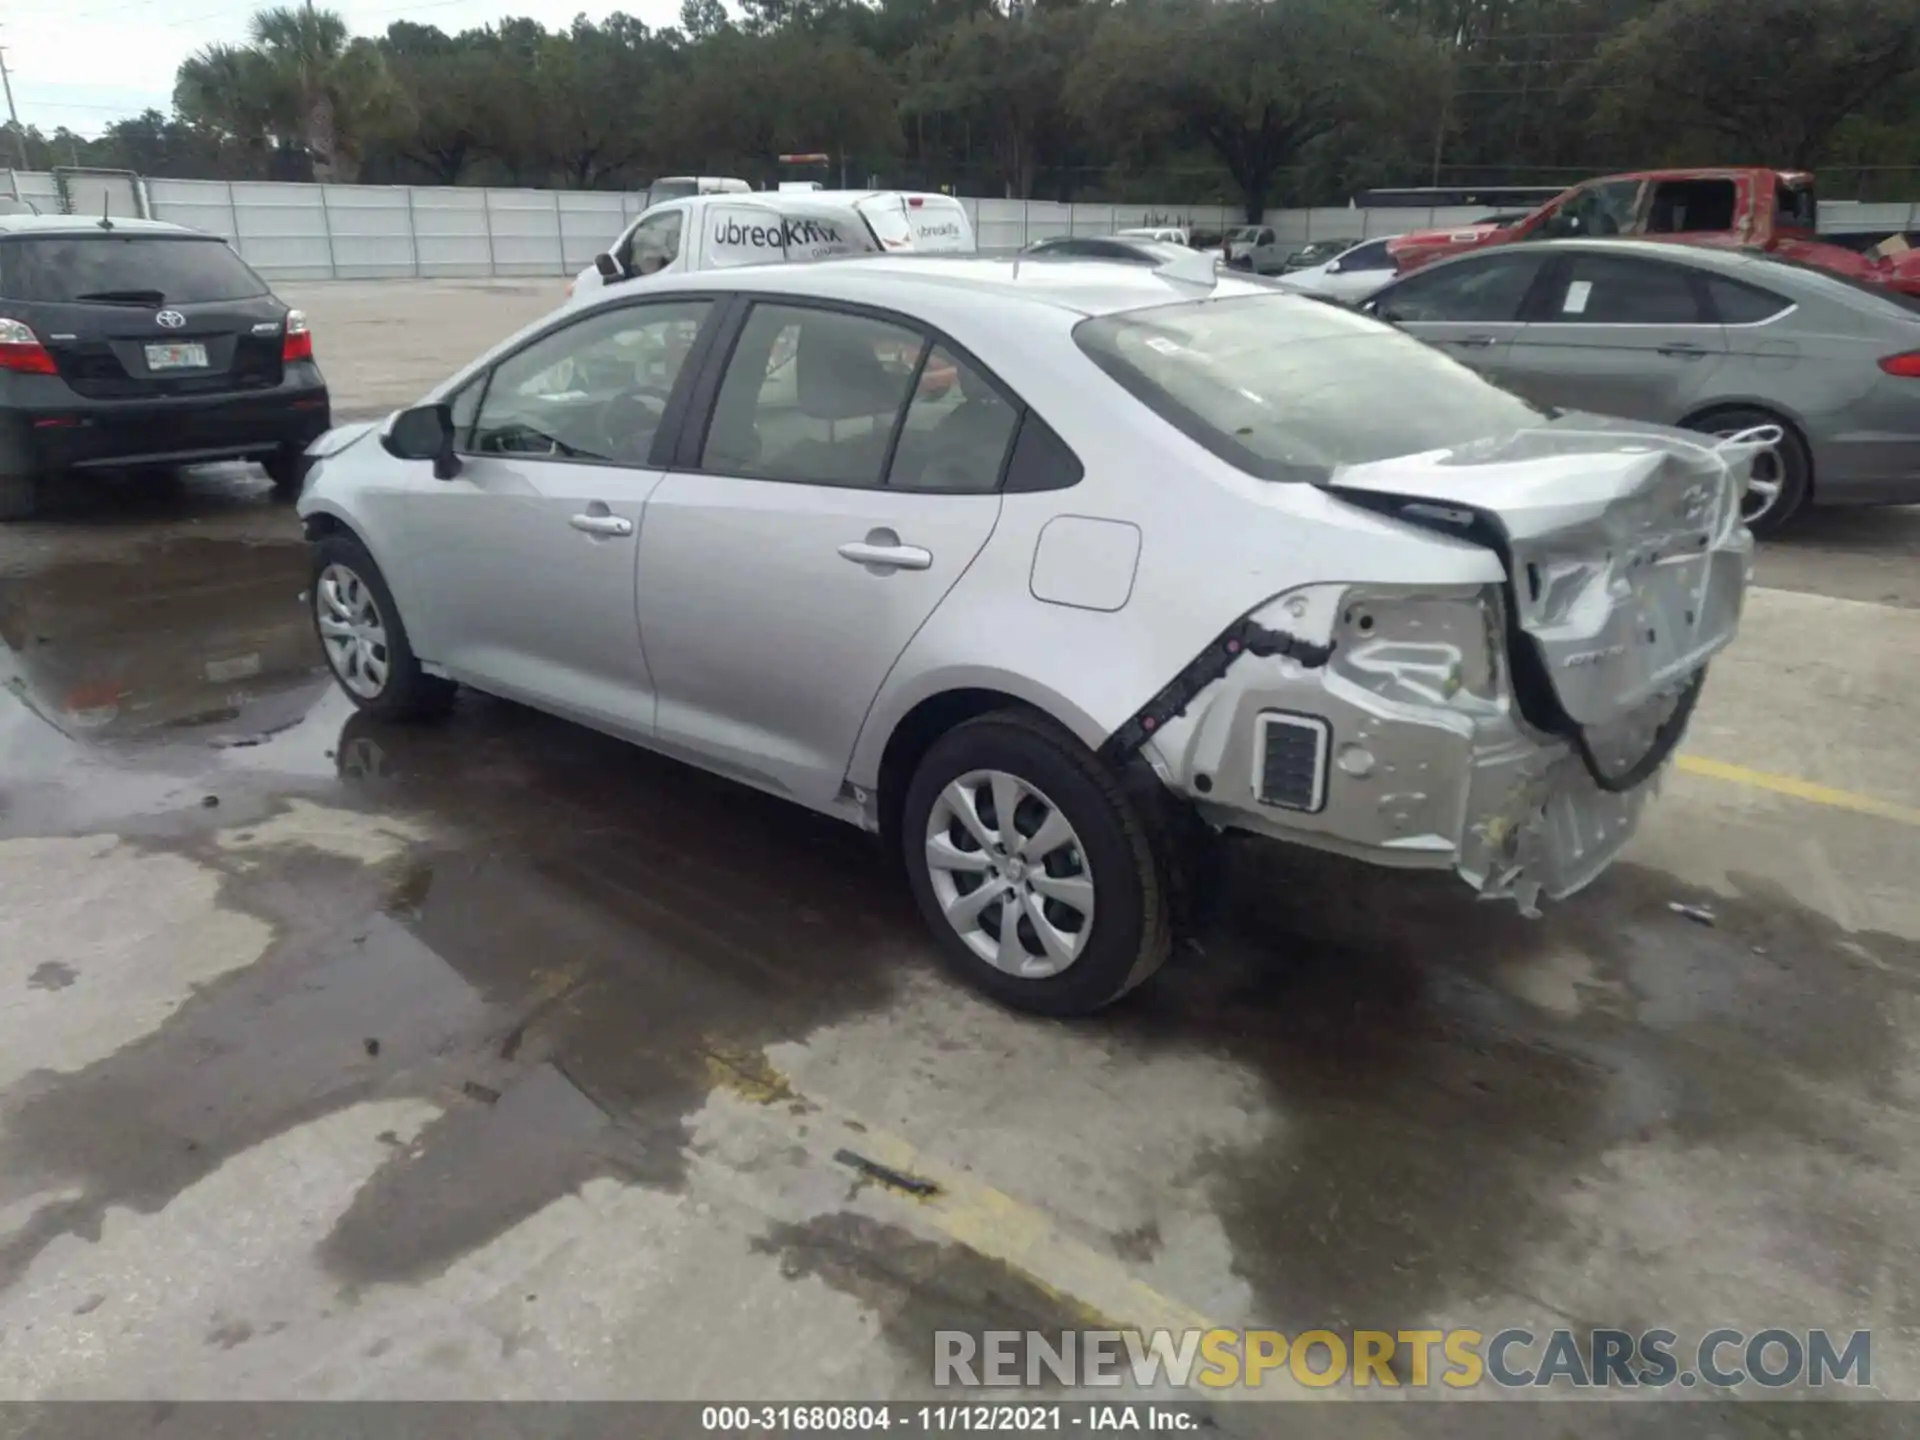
(887, 557)
(1476, 342)
(601, 524)
(1683, 351)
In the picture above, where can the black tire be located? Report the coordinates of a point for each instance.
(1131, 929)
(1792, 460)
(287, 469)
(407, 691)
(19, 497)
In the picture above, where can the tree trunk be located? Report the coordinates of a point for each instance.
(320, 137)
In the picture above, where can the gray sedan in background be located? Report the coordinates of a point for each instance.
(1713, 340)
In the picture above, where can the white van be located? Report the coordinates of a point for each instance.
(712, 232)
(679, 187)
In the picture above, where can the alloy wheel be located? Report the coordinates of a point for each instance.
(1766, 480)
(1010, 874)
(352, 630)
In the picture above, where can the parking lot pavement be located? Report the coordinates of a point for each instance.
(494, 1058)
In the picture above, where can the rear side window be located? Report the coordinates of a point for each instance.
(1738, 304)
(1373, 256)
(1289, 389)
(1683, 206)
(124, 269)
(1609, 290)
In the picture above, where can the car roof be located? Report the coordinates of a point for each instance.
(1702, 257)
(927, 282)
(90, 225)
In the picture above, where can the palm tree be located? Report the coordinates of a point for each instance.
(301, 78)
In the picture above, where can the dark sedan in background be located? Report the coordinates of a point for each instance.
(1705, 339)
(136, 345)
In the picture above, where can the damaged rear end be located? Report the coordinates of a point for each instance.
(1513, 732)
(1509, 723)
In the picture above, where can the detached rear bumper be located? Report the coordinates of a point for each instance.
(65, 431)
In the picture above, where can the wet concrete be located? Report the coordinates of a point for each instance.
(495, 1057)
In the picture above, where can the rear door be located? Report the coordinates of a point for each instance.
(130, 315)
(845, 476)
(1469, 307)
(1618, 335)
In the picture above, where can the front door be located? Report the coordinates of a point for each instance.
(1468, 307)
(846, 479)
(526, 558)
(1619, 335)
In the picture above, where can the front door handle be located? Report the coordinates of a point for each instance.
(1476, 342)
(883, 554)
(601, 524)
(1683, 351)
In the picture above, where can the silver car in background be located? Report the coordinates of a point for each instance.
(1705, 339)
(1045, 571)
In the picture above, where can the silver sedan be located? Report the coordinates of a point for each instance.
(1042, 573)
(1715, 340)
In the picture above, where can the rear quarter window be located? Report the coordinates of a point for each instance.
(1289, 389)
(1738, 304)
(124, 269)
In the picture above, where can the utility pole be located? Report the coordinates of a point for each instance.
(19, 135)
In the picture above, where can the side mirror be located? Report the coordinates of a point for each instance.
(608, 267)
(424, 433)
(1333, 267)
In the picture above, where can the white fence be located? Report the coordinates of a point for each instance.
(322, 232)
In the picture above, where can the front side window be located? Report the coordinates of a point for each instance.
(595, 390)
(1291, 390)
(1612, 290)
(124, 269)
(655, 243)
(1594, 211)
(1486, 290)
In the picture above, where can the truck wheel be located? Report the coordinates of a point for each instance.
(362, 636)
(19, 496)
(1782, 477)
(1033, 869)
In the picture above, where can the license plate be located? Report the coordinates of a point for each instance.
(191, 356)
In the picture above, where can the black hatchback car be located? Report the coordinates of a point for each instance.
(132, 344)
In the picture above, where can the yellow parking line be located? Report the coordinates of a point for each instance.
(1798, 789)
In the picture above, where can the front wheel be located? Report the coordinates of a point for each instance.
(364, 640)
(1034, 870)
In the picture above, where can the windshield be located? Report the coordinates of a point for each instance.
(1289, 389)
(124, 269)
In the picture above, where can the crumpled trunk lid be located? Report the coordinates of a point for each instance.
(1626, 555)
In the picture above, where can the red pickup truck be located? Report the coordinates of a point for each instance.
(1771, 210)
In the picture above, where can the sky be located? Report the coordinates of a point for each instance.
(86, 63)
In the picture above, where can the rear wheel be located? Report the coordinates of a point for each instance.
(287, 469)
(19, 496)
(363, 638)
(1033, 869)
(1782, 477)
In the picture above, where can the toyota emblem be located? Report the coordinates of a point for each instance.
(170, 319)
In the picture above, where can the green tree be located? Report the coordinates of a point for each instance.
(300, 75)
(1257, 83)
(1005, 77)
(1766, 81)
